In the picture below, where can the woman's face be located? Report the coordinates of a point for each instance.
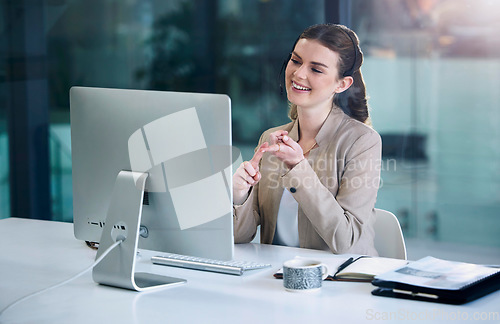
(311, 75)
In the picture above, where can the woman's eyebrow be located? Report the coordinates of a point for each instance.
(313, 63)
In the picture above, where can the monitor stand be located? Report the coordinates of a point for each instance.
(123, 221)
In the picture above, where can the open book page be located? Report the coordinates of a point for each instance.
(364, 267)
(438, 274)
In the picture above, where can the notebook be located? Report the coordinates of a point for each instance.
(436, 280)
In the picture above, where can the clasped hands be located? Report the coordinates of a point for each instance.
(248, 175)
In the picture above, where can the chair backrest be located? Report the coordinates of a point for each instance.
(389, 240)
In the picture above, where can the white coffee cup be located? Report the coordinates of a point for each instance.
(303, 275)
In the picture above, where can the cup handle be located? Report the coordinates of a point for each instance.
(324, 271)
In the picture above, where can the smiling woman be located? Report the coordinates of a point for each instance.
(282, 188)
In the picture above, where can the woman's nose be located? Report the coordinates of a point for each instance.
(300, 72)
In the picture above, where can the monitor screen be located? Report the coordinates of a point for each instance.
(181, 140)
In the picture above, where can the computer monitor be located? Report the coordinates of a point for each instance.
(181, 142)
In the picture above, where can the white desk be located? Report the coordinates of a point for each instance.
(37, 254)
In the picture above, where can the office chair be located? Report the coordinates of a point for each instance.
(389, 240)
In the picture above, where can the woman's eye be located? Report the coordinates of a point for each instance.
(294, 61)
(316, 70)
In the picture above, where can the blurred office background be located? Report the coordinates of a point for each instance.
(432, 69)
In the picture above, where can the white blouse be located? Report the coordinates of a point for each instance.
(287, 232)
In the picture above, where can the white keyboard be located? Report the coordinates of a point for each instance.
(196, 263)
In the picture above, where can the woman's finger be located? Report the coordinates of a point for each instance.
(277, 136)
(258, 156)
(250, 169)
(294, 145)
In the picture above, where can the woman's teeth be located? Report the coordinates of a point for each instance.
(299, 87)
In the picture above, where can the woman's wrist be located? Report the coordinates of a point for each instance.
(293, 164)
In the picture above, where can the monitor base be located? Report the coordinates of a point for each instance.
(123, 221)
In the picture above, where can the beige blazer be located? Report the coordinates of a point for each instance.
(335, 187)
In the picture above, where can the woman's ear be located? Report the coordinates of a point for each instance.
(344, 84)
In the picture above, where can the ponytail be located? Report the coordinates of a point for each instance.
(354, 101)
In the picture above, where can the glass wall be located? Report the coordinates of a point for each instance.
(4, 157)
(432, 70)
(235, 47)
(4, 147)
(433, 74)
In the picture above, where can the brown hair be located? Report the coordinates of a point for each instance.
(345, 42)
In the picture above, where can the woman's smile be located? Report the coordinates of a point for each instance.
(300, 87)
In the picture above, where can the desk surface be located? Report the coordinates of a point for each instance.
(37, 254)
